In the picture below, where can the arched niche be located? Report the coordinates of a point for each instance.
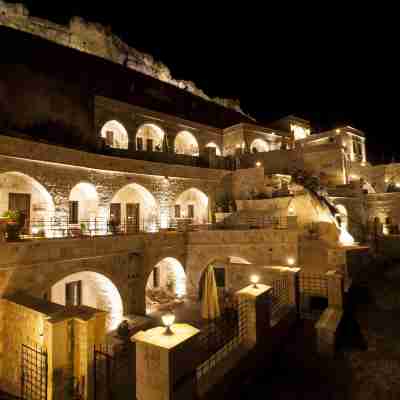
(134, 208)
(22, 193)
(84, 205)
(214, 145)
(90, 289)
(186, 143)
(166, 283)
(115, 135)
(192, 203)
(149, 137)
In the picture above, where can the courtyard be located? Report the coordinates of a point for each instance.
(367, 365)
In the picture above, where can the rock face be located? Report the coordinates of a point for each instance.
(93, 38)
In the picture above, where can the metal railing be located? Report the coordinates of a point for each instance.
(63, 227)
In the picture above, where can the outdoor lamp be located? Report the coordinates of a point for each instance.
(290, 261)
(258, 164)
(168, 320)
(254, 280)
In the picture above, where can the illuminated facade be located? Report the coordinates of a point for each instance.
(128, 189)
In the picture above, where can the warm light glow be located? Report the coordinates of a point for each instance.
(337, 130)
(254, 279)
(386, 180)
(345, 239)
(299, 132)
(258, 164)
(238, 146)
(291, 210)
(168, 320)
(353, 177)
(398, 185)
(35, 231)
(291, 261)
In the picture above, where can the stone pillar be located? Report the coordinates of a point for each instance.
(166, 364)
(326, 330)
(254, 314)
(335, 289)
(292, 277)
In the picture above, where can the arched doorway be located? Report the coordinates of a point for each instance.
(259, 146)
(149, 137)
(84, 207)
(192, 204)
(22, 193)
(134, 208)
(231, 274)
(186, 143)
(217, 149)
(115, 135)
(90, 289)
(166, 285)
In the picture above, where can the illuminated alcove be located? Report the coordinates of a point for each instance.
(192, 203)
(149, 137)
(214, 145)
(115, 135)
(259, 145)
(186, 143)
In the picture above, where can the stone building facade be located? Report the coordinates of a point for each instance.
(117, 178)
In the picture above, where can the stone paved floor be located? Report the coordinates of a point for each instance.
(367, 365)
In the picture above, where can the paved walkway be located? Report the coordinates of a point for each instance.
(367, 365)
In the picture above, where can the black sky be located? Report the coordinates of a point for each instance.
(272, 60)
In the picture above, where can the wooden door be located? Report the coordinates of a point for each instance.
(21, 202)
(132, 217)
(115, 213)
(73, 293)
(149, 144)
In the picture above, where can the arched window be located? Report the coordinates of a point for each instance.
(193, 204)
(186, 143)
(115, 135)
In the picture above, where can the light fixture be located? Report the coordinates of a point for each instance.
(337, 130)
(258, 164)
(291, 210)
(386, 180)
(290, 261)
(238, 146)
(254, 280)
(398, 185)
(168, 320)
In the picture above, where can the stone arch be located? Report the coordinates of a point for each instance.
(230, 273)
(84, 205)
(91, 289)
(40, 206)
(149, 137)
(115, 135)
(260, 145)
(217, 148)
(192, 203)
(137, 208)
(186, 143)
(167, 278)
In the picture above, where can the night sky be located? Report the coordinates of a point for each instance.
(275, 61)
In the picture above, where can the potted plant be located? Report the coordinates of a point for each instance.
(13, 227)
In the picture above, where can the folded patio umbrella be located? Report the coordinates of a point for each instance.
(209, 301)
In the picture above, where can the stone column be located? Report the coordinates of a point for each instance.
(335, 289)
(292, 277)
(254, 314)
(166, 364)
(292, 222)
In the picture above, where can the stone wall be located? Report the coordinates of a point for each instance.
(263, 247)
(101, 171)
(384, 205)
